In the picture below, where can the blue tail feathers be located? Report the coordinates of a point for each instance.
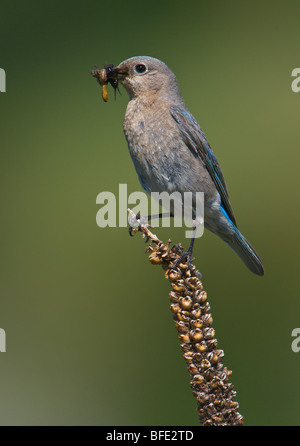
(247, 254)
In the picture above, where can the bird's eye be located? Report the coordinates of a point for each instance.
(140, 68)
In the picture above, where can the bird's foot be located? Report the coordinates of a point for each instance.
(134, 224)
(187, 255)
(138, 223)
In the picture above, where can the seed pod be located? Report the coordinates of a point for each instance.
(174, 275)
(219, 353)
(239, 419)
(196, 313)
(188, 356)
(197, 380)
(217, 419)
(183, 316)
(207, 319)
(194, 283)
(202, 398)
(198, 357)
(212, 357)
(209, 333)
(196, 335)
(175, 308)
(219, 403)
(192, 369)
(205, 364)
(201, 347)
(233, 405)
(200, 296)
(173, 297)
(211, 343)
(181, 327)
(185, 339)
(155, 259)
(178, 286)
(186, 303)
(197, 323)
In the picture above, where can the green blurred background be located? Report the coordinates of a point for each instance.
(90, 337)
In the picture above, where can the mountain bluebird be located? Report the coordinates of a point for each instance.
(170, 151)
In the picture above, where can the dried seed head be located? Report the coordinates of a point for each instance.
(196, 313)
(197, 380)
(217, 419)
(155, 259)
(205, 364)
(192, 369)
(173, 275)
(201, 347)
(238, 419)
(202, 398)
(197, 323)
(184, 338)
(178, 286)
(174, 297)
(219, 403)
(213, 358)
(198, 357)
(193, 320)
(207, 319)
(194, 283)
(188, 356)
(196, 335)
(181, 327)
(186, 303)
(233, 405)
(183, 316)
(219, 353)
(211, 344)
(175, 308)
(200, 296)
(209, 333)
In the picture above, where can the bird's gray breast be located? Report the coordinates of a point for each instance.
(161, 158)
(156, 149)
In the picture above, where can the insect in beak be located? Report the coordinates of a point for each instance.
(103, 79)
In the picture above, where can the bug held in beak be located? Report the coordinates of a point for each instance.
(107, 75)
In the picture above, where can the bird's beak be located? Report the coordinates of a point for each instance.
(118, 73)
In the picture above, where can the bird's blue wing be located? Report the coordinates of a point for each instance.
(196, 141)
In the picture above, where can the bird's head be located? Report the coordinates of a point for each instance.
(143, 75)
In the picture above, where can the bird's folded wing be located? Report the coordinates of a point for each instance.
(196, 141)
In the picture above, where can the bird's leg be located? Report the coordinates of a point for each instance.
(187, 254)
(131, 226)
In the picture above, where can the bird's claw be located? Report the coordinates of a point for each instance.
(185, 255)
(132, 228)
(132, 224)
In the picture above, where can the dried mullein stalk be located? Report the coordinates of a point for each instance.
(210, 383)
